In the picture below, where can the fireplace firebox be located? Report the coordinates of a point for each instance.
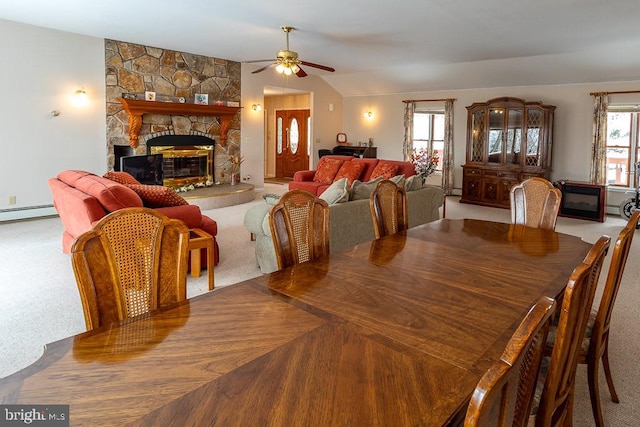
(186, 159)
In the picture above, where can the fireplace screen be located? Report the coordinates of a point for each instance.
(185, 164)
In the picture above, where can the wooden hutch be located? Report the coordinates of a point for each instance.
(508, 141)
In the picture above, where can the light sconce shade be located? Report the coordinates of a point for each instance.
(80, 97)
(368, 115)
(256, 107)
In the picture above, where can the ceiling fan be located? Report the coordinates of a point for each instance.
(287, 61)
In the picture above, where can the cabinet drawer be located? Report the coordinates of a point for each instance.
(501, 174)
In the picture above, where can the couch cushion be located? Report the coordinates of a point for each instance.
(312, 187)
(384, 169)
(398, 180)
(413, 183)
(70, 177)
(350, 170)
(338, 192)
(369, 165)
(327, 170)
(156, 196)
(362, 190)
(111, 195)
(121, 178)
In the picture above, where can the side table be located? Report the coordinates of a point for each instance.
(199, 239)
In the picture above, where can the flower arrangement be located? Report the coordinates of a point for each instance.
(424, 162)
(234, 168)
(235, 162)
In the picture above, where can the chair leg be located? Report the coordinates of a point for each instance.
(594, 390)
(607, 373)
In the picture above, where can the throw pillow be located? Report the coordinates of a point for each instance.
(413, 183)
(350, 170)
(398, 180)
(158, 196)
(121, 178)
(384, 169)
(362, 190)
(327, 169)
(338, 192)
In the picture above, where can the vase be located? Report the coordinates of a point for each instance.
(235, 178)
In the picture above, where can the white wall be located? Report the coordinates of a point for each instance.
(41, 70)
(572, 129)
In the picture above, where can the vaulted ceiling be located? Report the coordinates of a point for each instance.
(378, 46)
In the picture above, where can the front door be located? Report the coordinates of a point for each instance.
(292, 142)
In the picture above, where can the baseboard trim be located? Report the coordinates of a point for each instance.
(27, 213)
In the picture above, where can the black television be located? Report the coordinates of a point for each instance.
(146, 169)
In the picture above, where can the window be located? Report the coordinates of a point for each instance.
(428, 132)
(622, 145)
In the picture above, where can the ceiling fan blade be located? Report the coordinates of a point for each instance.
(262, 69)
(301, 72)
(322, 67)
(258, 60)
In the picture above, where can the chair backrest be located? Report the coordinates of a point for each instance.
(132, 261)
(299, 225)
(600, 332)
(556, 399)
(388, 209)
(535, 203)
(504, 394)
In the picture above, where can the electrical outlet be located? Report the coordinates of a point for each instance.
(11, 200)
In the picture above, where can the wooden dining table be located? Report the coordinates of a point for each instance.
(396, 331)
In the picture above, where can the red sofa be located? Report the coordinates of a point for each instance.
(82, 198)
(304, 180)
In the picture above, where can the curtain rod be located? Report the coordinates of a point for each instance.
(406, 101)
(614, 93)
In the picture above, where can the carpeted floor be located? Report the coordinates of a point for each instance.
(40, 303)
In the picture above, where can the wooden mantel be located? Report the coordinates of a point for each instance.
(136, 108)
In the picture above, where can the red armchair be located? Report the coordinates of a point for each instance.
(82, 198)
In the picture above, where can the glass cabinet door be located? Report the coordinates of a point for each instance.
(514, 136)
(477, 136)
(496, 129)
(534, 123)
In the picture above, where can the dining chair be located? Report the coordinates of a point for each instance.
(132, 261)
(389, 212)
(504, 394)
(299, 224)
(559, 370)
(535, 203)
(595, 346)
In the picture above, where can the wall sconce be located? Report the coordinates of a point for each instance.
(256, 107)
(368, 115)
(80, 97)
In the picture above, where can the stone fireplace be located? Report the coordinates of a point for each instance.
(175, 77)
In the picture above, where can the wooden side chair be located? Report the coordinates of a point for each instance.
(595, 346)
(504, 394)
(388, 209)
(535, 203)
(556, 398)
(299, 225)
(132, 261)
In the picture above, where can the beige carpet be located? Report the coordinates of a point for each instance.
(40, 304)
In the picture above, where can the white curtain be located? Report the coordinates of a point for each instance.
(598, 173)
(407, 146)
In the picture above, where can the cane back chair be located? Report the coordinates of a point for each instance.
(388, 209)
(299, 225)
(535, 203)
(132, 261)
